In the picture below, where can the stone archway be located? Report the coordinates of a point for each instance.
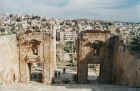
(93, 49)
(36, 47)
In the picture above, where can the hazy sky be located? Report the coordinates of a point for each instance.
(123, 10)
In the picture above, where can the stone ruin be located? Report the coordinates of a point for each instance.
(36, 48)
(8, 60)
(21, 53)
(24, 51)
(117, 65)
(93, 49)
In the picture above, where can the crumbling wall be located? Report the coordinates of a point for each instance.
(127, 70)
(87, 54)
(8, 59)
(126, 67)
(46, 55)
(106, 66)
(23, 66)
(15, 53)
(49, 57)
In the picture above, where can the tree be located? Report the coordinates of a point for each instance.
(134, 45)
(11, 15)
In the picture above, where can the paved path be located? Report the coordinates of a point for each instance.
(33, 86)
(67, 87)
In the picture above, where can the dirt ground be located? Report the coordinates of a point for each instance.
(94, 86)
(66, 87)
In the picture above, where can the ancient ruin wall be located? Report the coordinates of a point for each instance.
(126, 67)
(8, 59)
(46, 55)
(85, 54)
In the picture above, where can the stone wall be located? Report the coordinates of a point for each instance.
(118, 65)
(8, 59)
(45, 43)
(86, 51)
(17, 53)
(126, 67)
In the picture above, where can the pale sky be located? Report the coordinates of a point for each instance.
(118, 10)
